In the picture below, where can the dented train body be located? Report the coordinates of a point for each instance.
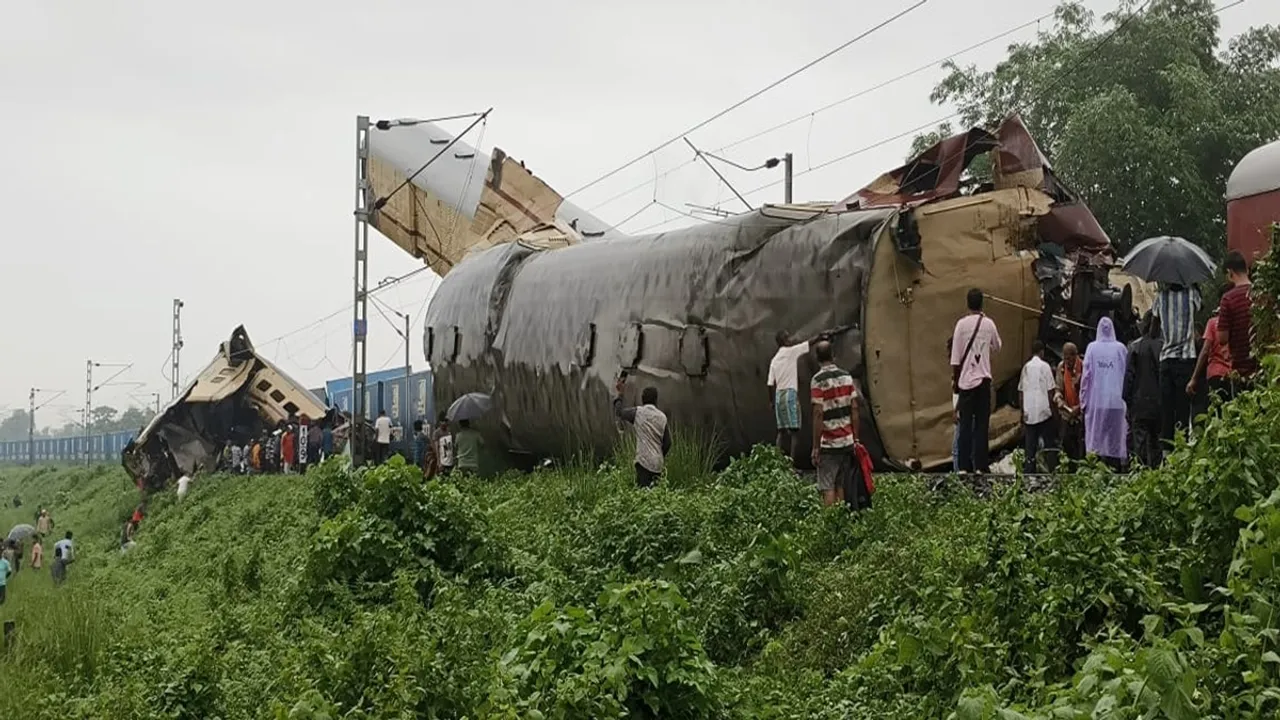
(694, 312)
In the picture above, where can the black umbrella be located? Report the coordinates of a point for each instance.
(1168, 259)
(19, 532)
(469, 407)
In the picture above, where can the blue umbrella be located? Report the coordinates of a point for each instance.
(469, 407)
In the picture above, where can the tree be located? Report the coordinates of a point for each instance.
(15, 426)
(104, 418)
(1145, 116)
(133, 418)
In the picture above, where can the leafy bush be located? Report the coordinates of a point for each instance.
(569, 592)
(633, 655)
(399, 524)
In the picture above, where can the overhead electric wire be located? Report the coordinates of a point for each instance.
(1085, 58)
(753, 96)
(829, 106)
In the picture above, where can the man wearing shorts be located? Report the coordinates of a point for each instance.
(835, 433)
(784, 389)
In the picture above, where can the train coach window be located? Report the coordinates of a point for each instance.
(695, 351)
(290, 408)
(277, 396)
(264, 385)
(585, 350)
(453, 349)
(631, 346)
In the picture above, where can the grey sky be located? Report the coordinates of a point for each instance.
(159, 149)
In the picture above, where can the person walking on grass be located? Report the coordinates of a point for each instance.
(973, 341)
(5, 571)
(835, 433)
(37, 552)
(64, 553)
(1037, 390)
(653, 434)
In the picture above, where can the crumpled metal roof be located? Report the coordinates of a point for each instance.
(1257, 172)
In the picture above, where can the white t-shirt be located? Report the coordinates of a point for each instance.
(68, 550)
(383, 426)
(1036, 383)
(445, 450)
(782, 368)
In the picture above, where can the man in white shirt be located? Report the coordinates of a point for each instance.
(784, 388)
(784, 396)
(1036, 390)
(382, 426)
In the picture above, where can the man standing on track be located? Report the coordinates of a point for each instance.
(835, 432)
(973, 341)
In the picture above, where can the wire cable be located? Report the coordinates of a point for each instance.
(860, 36)
(829, 106)
(1086, 57)
(382, 201)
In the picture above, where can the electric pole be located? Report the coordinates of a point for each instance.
(89, 389)
(31, 430)
(360, 309)
(786, 177)
(177, 348)
(88, 405)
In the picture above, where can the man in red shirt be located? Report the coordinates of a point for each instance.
(1235, 317)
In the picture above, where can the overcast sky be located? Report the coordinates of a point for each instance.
(156, 149)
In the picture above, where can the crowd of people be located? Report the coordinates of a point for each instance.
(288, 448)
(13, 553)
(1122, 403)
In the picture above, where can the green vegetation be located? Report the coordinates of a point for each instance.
(570, 594)
(1146, 123)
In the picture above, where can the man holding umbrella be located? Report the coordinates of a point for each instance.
(468, 442)
(1176, 307)
(1178, 266)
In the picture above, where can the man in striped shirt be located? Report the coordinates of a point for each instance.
(835, 432)
(1176, 306)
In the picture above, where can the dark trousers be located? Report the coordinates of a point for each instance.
(1175, 403)
(974, 407)
(381, 452)
(644, 477)
(1032, 436)
(1146, 441)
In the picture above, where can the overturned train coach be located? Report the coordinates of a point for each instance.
(238, 396)
(694, 312)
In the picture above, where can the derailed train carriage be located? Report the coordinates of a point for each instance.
(547, 322)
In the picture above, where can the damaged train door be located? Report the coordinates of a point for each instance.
(912, 308)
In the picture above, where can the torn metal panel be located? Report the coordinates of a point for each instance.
(465, 199)
(238, 396)
(937, 173)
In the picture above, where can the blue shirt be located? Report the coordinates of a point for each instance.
(419, 448)
(4, 572)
